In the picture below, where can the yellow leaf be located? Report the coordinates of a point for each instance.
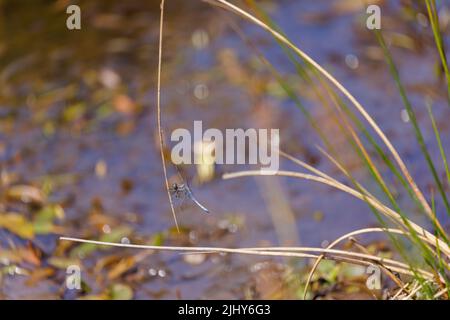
(123, 266)
(17, 224)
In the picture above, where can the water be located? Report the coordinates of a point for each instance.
(78, 118)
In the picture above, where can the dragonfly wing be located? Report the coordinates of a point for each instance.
(191, 196)
(200, 205)
(178, 199)
(188, 192)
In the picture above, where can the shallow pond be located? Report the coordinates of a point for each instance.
(78, 124)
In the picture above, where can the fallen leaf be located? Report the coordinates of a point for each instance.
(115, 235)
(26, 194)
(18, 255)
(39, 274)
(121, 292)
(123, 266)
(44, 220)
(124, 104)
(63, 263)
(17, 224)
(126, 264)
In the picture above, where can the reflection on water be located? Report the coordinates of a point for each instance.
(78, 141)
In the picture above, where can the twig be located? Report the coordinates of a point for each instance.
(414, 291)
(161, 141)
(298, 252)
(440, 293)
(400, 291)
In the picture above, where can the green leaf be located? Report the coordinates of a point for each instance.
(121, 292)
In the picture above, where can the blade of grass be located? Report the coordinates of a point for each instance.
(427, 253)
(411, 232)
(434, 21)
(363, 154)
(228, 6)
(412, 117)
(359, 148)
(404, 170)
(439, 141)
(337, 185)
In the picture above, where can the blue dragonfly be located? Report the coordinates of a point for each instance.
(181, 191)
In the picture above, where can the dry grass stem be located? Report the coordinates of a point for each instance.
(158, 105)
(298, 252)
(430, 238)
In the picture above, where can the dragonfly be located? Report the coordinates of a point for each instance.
(182, 191)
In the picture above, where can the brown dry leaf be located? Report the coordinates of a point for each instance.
(19, 255)
(62, 247)
(107, 21)
(17, 224)
(100, 220)
(126, 264)
(39, 274)
(337, 8)
(425, 89)
(2, 148)
(352, 6)
(9, 256)
(30, 254)
(123, 266)
(124, 104)
(269, 283)
(101, 296)
(105, 261)
(26, 194)
(126, 127)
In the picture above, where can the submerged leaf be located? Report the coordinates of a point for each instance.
(18, 255)
(38, 275)
(43, 222)
(121, 292)
(26, 194)
(17, 224)
(63, 263)
(114, 236)
(120, 268)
